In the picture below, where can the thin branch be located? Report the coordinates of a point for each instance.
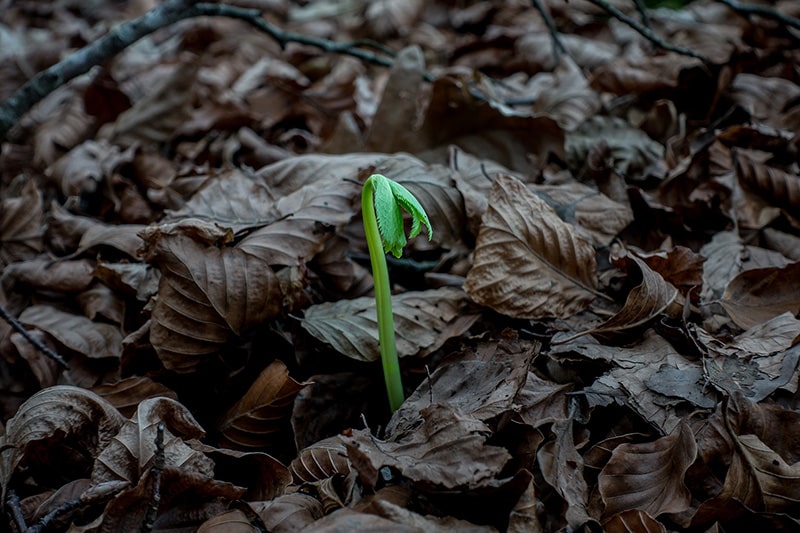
(642, 9)
(48, 80)
(762, 11)
(558, 46)
(17, 325)
(155, 473)
(646, 32)
(124, 35)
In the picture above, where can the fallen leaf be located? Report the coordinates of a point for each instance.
(649, 476)
(757, 295)
(351, 326)
(529, 263)
(633, 521)
(21, 225)
(78, 333)
(778, 187)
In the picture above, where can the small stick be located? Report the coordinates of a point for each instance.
(13, 508)
(558, 46)
(158, 467)
(17, 325)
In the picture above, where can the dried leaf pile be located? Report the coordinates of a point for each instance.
(603, 333)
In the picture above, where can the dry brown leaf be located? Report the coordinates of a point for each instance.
(680, 267)
(765, 98)
(231, 522)
(304, 220)
(529, 263)
(21, 225)
(63, 128)
(524, 517)
(127, 394)
(565, 95)
(81, 171)
(44, 368)
(633, 521)
(154, 118)
(132, 451)
(205, 295)
(448, 452)
(123, 237)
(92, 339)
(263, 412)
(47, 274)
(562, 468)
(135, 279)
(321, 460)
(542, 402)
(290, 512)
(390, 17)
(351, 326)
(483, 381)
(62, 423)
(645, 301)
(757, 295)
(776, 186)
(649, 476)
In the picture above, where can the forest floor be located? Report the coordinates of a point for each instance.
(601, 334)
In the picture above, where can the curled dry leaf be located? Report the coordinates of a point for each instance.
(132, 451)
(757, 295)
(649, 476)
(81, 170)
(448, 452)
(646, 300)
(528, 262)
(61, 423)
(254, 421)
(390, 17)
(321, 460)
(127, 394)
(778, 187)
(680, 267)
(92, 339)
(234, 521)
(21, 227)
(351, 326)
(205, 295)
(290, 512)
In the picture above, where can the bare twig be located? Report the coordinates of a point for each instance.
(646, 32)
(762, 11)
(166, 14)
(558, 46)
(642, 9)
(155, 474)
(48, 80)
(17, 325)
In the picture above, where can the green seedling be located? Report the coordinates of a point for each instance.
(382, 203)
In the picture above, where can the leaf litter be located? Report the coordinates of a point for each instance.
(603, 333)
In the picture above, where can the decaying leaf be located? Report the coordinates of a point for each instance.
(61, 423)
(778, 187)
(528, 263)
(351, 326)
(760, 294)
(78, 333)
(262, 412)
(447, 452)
(321, 460)
(21, 228)
(649, 476)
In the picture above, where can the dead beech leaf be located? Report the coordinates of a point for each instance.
(92, 339)
(765, 98)
(132, 451)
(351, 326)
(205, 295)
(779, 188)
(757, 295)
(234, 521)
(649, 476)
(263, 411)
(81, 170)
(542, 402)
(529, 263)
(680, 267)
(645, 301)
(448, 451)
(320, 460)
(123, 237)
(633, 521)
(154, 118)
(46, 274)
(565, 95)
(233, 199)
(127, 394)
(290, 512)
(304, 220)
(21, 225)
(562, 468)
(57, 424)
(390, 17)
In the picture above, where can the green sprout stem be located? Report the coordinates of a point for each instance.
(381, 201)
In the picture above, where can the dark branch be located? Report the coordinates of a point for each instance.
(551, 27)
(17, 325)
(646, 32)
(13, 508)
(762, 11)
(642, 9)
(96, 53)
(155, 475)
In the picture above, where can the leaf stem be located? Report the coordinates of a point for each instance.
(383, 298)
